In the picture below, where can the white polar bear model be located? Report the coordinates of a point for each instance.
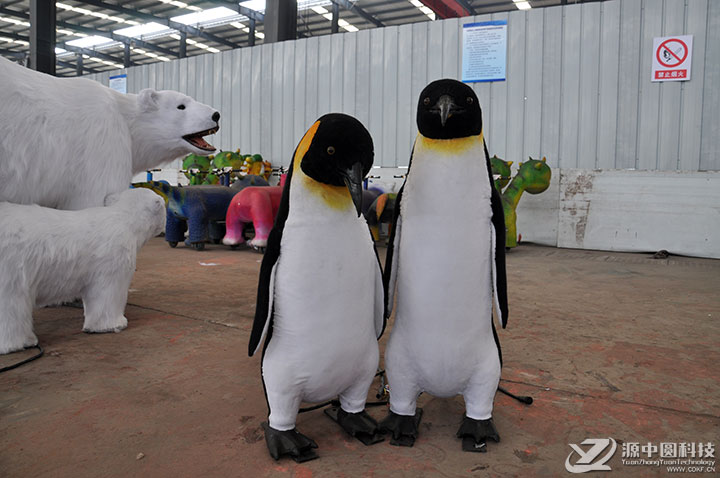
(67, 143)
(50, 256)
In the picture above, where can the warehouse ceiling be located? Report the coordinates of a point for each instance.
(109, 34)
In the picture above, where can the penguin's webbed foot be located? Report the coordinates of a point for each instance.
(289, 442)
(359, 425)
(404, 428)
(474, 434)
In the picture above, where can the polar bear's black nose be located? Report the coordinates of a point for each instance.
(216, 116)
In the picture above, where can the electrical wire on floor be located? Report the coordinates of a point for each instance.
(22, 362)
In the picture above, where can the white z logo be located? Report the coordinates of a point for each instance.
(584, 464)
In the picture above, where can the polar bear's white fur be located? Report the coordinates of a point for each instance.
(67, 143)
(50, 256)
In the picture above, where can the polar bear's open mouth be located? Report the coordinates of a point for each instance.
(197, 140)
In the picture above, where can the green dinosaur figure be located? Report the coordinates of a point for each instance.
(502, 168)
(533, 176)
(229, 161)
(196, 168)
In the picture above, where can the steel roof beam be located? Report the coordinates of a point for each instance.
(95, 31)
(163, 21)
(84, 51)
(358, 11)
(73, 67)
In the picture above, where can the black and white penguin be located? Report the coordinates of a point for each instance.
(321, 303)
(446, 263)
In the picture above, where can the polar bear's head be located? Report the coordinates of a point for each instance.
(145, 209)
(169, 125)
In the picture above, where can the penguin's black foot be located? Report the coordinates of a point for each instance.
(404, 428)
(359, 425)
(474, 434)
(289, 442)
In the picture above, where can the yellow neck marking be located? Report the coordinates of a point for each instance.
(336, 197)
(449, 146)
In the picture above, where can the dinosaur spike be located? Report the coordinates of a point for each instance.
(544, 159)
(520, 164)
(538, 165)
(509, 163)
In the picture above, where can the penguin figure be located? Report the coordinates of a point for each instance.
(321, 302)
(446, 263)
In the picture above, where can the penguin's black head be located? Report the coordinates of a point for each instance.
(448, 109)
(340, 154)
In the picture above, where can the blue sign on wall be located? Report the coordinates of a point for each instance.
(484, 54)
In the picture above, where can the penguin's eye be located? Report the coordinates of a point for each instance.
(330, 150)
(181, 107)
(426, 101)
(470, 100)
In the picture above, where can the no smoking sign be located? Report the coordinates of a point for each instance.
(672, 58)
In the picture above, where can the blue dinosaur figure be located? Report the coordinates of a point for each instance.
(199, 209)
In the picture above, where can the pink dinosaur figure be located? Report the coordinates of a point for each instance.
(256, 204)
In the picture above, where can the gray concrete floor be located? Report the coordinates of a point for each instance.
(608, 344)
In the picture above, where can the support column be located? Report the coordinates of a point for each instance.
(42, 36)
(335, 18)
(79, 64)
(280, 20)
(251, 33)
(126, 55)
(183, 45)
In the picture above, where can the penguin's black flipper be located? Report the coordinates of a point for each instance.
(359, 425)
(289, 442)
(474, 434)
(390, 271)
(404, 428)
(266, 282)
(498, 221)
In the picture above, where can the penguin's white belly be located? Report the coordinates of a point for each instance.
(323, 335)
(444, 282)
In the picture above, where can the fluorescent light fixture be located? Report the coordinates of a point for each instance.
(14, 21)
(522, 5)
(320, 10)
(257, 5)
(59, 51)
(205, 16)
(423, 8)
(91, 41)
(142, 30)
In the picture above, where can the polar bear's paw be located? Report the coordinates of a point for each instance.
(103, 327)
(15, 340)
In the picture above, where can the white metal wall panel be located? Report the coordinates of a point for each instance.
(710, 143)
(578, 86)
(628, 83)
(589, 86)
(670, 95)
(641, 211)
(608, 85)
(552, 84)
(532, 120)
(515, 86)
(570, 94)
(692, 92)
(649, 119)
(387, 153)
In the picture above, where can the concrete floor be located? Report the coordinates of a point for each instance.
(608, 344)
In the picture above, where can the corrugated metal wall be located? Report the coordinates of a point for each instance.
(578, 86)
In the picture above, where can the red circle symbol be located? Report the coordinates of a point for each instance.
(672, 54)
